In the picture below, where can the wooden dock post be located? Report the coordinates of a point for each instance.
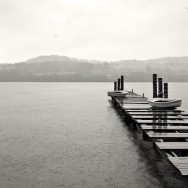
(122, 82)
(154, 85)
(115, 86)
(165, 90)
(119, 84)
(160, 89)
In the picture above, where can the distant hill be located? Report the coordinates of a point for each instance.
(55, 68)
(51, 58)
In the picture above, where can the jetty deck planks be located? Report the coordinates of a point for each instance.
(158, 124)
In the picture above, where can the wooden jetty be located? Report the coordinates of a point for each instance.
(166, 128)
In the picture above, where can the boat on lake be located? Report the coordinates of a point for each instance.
(165, 103)
(119, 93)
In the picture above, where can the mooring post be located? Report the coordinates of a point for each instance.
(154, 85)
(132, 90)
(122, 82)
(143, 95)
(115, 86)
(160, 85)
(119, 84)
(165, 90)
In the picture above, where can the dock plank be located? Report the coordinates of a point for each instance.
(163, 122)
(172, 145)
(166, 135)
(133, 99)
(157, 114)
(134, 102)
(164, 128)
(154, 110)
(180, 163)
(159, 117)
(136, 107)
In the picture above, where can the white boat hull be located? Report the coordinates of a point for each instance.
(165, 103)
(117, 93)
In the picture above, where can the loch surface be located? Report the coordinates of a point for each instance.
(69, 135)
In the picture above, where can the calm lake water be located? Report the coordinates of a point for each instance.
(69, 135)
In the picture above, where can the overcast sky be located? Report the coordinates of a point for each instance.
(93, 29)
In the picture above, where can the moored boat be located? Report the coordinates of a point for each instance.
(117, 93)
(165, 103)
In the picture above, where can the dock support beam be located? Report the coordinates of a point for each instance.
(122, 82)
(165, 90)
(160, 85)
(154, 85)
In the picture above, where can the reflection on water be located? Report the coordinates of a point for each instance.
(69, 135)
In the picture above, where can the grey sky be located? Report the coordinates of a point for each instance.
(93, 29)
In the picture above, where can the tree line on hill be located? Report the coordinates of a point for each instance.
(65, 69)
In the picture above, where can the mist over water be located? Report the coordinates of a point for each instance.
(70, 135)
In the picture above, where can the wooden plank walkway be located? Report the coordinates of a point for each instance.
(158, 125)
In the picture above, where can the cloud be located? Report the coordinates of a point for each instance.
(94, 29)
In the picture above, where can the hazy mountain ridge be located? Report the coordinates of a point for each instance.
(62, 68)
